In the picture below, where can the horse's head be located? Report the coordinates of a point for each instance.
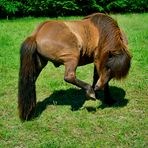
(115, 66)
(112, 56)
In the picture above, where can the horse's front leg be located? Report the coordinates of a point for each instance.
(104, 79)
(70, 77)
(95, 77)
(107, 96)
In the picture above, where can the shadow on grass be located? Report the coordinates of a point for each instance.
(118, 95)
(76, 98)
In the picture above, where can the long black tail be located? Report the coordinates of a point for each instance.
(27, 77)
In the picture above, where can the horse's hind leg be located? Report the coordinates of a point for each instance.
(70, 77)
(41, 63)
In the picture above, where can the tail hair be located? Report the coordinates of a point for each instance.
(27, 78)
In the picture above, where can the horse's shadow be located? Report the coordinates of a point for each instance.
(76, 98)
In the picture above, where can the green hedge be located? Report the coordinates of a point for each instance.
(68, 7)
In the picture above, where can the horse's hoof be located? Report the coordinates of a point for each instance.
(90, 96)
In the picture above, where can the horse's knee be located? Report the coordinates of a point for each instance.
(70, 78)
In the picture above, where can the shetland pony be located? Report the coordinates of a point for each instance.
(95, 39)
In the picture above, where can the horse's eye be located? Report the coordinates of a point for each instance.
(107, 66)
(110, 56)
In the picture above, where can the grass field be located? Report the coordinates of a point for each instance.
(59, 122)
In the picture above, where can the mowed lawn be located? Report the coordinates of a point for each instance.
(59, 122)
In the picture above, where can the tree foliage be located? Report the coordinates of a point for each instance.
(68, 7)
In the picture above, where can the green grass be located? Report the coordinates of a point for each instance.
(59, 122)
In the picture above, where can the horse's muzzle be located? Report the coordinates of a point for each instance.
(98, 88)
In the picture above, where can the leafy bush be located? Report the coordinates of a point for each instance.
(68, 7)
(88, 6)
(128, 6)
(9, 7)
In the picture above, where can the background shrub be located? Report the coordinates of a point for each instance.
(52, 8)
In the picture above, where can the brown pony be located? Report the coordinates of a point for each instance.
(97, 38)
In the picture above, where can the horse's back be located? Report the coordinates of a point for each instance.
(56, 31)
(61, 41)
(56, 41)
